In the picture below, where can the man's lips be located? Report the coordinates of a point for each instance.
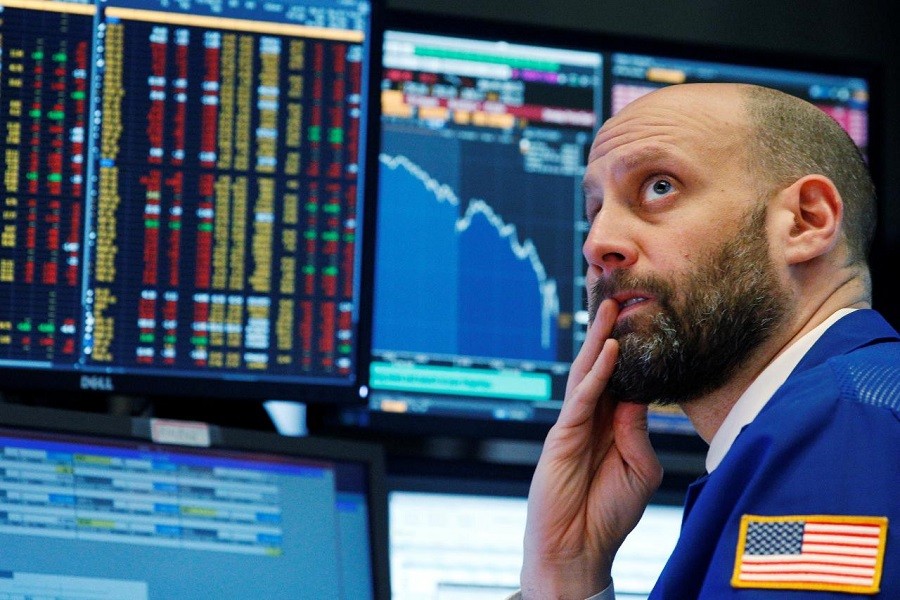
(629, 302)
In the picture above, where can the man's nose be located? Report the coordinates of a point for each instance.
(610, 243)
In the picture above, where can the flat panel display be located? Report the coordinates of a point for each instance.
(843, 97)
(478, 290)
(182, 194)
(87, 514)
(452, 543)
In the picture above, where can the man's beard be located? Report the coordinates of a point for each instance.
(707, 326)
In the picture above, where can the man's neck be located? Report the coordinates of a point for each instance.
(709, 411)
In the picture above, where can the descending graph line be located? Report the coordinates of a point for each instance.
(522, 251)
(441, 191)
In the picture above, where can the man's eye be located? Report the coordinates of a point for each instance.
(659, 187)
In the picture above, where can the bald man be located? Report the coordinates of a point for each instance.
(727, 274)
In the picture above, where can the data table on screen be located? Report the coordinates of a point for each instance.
(183, 192)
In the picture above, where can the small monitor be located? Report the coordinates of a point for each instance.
(91, 507)
(462, 540)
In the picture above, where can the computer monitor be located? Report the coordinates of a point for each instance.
(92, 507)
(844, 97)
(479, 300)
(478, 287)
(462, 540)
(183, 195)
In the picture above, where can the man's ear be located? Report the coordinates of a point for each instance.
(812, 211)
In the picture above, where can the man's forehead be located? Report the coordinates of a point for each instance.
(723, 99)
(703, 114)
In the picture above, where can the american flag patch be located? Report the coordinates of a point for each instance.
(811, 552)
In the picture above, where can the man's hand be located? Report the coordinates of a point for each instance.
(595, 476)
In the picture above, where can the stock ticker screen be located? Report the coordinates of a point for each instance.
(845, 98)
(478, 304)
(182, 189)
(479, 291)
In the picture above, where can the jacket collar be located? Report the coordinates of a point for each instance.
(860, 328)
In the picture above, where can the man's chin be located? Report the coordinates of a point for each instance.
(639, 326)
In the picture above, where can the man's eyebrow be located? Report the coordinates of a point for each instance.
(628, 161)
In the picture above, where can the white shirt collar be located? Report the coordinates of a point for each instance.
(762, 389)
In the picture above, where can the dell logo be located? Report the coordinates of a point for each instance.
(96, 382)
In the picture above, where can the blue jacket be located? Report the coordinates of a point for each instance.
(825, 447)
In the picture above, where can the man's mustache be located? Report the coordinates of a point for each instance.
(620, 281)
